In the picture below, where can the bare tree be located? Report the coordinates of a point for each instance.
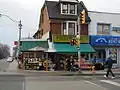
(4, 51)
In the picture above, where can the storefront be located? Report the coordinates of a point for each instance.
(64, 50)
(105, 46)
(33, 54)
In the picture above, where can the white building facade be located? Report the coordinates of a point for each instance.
(104, 31)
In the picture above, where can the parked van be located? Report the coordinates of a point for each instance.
(9, 59)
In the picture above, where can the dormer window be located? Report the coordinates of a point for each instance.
(70, 9)
(65, 8)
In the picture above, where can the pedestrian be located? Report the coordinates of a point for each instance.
(94, 60)
(109, 63)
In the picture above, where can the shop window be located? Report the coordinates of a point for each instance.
(103, 29)
(31, 55)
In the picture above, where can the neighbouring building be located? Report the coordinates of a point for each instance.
(104, 29)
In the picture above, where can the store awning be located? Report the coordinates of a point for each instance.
(33, 45)
(67, 48)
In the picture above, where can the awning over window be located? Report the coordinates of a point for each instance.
(67, 48)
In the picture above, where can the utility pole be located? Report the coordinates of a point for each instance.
(81, 20)
(78, 36)
(19, 38)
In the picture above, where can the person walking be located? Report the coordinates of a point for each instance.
(109, 63)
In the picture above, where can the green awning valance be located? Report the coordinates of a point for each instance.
(67, 48)
(27, 45)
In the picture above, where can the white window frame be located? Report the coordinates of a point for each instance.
(67, 27)
(68, 10)
(102, 25)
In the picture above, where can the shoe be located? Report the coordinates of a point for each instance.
(105, 76)
(113, 77)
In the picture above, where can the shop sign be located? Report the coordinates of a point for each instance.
(67, 38)
(15, 42)
(105, 40)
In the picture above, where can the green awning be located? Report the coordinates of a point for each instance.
(27, 45)
(67, 48)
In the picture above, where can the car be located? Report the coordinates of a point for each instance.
(98, 63)
(9, 59)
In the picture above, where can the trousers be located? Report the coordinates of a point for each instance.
(110, 71)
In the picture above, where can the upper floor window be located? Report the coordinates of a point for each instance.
(64, 28)
(103, 29)
(65, 8)
(69, 28)
(69, 9)
(72, 9)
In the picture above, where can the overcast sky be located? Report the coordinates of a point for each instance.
(29, 11)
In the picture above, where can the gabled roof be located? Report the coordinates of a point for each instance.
(53, 8)
(38, 31)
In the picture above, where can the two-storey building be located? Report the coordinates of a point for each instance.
(104, 29)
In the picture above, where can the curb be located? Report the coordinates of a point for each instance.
(66, 74)
(54, 73)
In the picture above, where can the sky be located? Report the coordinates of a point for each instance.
(28, 11)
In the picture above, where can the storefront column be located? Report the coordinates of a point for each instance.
(107, 52)
(118, 57)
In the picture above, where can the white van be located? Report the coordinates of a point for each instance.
(9, 59)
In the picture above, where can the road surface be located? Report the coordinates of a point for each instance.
(28, 82)
(8, 66)
(71, 83)
(40, 82)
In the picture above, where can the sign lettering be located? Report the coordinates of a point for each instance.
(67, 38)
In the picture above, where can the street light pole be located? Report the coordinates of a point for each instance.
(19, 38)
(19, 27)
(78, 36)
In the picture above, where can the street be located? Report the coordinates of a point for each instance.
(4, 65)
(37, 81)
(71, 83)
(8, 66)
(28, 82)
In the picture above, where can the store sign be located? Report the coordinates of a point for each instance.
(67, 38)
(15, 42)
(105, 40)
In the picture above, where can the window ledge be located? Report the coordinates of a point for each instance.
(68, 14)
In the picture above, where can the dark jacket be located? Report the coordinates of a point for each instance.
(109, 62)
